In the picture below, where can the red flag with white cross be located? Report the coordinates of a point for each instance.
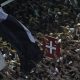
(51, 47)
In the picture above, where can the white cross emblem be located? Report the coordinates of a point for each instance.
(51, 47)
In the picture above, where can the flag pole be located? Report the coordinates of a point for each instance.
(6, 2)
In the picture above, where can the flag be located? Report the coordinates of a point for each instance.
(21, 38)
(51, 47)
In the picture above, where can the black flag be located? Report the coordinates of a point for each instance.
(21, 38)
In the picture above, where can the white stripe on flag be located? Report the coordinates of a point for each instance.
(32, 39)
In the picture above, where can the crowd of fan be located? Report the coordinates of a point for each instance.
(43, 16)
(65, 67)
(48, 16)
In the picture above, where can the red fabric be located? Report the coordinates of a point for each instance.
(47, 50)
